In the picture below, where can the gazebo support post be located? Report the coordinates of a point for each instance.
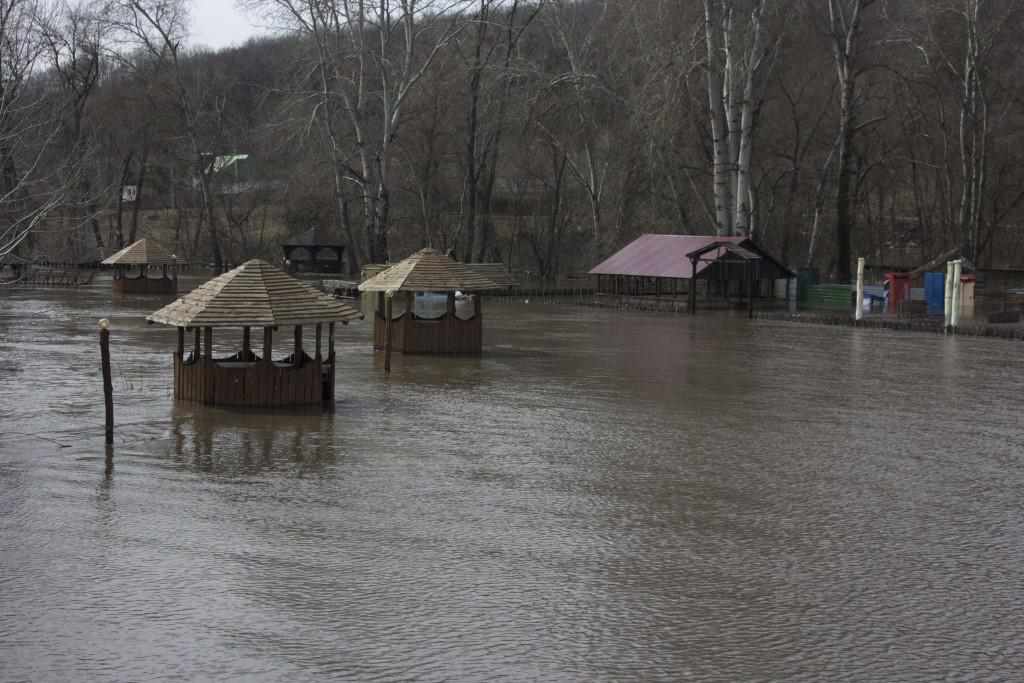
(268, 345)
(197, 349)
(330, 342)
(208, 343)
(246, 343)
(449, 308)
(297, 357)
(319, 329)
(181, 343)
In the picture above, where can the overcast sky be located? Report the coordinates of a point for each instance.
(219, 23)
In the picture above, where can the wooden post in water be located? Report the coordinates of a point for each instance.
(858, 313)
(957, 272)
(948, 300)
(108, 387)
(387, 333)
(246, 342)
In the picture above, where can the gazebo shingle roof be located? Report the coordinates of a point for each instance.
(255, 294)
(428, 271)
(141, 253)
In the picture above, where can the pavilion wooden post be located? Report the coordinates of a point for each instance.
(330, 342)
(197, 347)
(108, 387)
(297, 357)
(387, 333)
(246, 343)
(181, 343)
(268, 345)
(208, 343)
(319, 330)
(450, 304)
(750, 288)
(858, 311)
(692, 293)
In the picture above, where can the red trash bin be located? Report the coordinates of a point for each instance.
(899, 290)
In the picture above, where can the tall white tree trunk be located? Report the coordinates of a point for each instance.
(719, 129)
(742, 218)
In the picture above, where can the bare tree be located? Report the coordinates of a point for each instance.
(844, 30)
(32, 183)
(735, 64)
(370, 56)
(158, 28)
(73, 37)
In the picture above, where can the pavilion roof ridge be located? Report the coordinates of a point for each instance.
(141, 252)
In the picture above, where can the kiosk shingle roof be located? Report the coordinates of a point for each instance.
(255, 294)
(141, 253)
(428, 271)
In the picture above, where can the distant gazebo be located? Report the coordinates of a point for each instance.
(144, 255)
(428, 275)
(255, 294)
(314, 252)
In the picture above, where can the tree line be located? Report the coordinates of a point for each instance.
(541, 133)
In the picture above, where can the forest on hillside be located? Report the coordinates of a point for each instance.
(544, 134)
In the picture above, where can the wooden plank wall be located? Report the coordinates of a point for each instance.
(257, 386)
(448, 334)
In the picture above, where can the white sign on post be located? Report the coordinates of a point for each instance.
(129, 193)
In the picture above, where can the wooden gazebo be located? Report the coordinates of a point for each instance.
(314, 252)
(255, 294)
(144, 255)
(427, 272)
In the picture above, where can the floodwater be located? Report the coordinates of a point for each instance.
(601, 496)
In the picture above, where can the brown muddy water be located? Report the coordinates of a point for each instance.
(601, 496)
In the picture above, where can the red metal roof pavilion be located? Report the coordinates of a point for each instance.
(668, 256)
(659, 265)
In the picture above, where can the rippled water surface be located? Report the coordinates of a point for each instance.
(600, 496)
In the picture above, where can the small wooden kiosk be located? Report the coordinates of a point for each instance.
(427, 272)
(254, 295)
(314, 252)
(144, 255)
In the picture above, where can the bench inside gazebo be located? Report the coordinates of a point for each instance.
(143, 255)
(255, 294)
(420, 278)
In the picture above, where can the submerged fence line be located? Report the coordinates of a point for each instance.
(928, 325)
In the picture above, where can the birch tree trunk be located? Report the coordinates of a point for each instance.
(734, 66)
(719, 130)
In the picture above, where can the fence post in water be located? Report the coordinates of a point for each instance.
(108, 388)
(948, 300)
(858, 313)
(957, 271)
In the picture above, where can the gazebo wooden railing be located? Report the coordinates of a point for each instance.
(247, 379)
